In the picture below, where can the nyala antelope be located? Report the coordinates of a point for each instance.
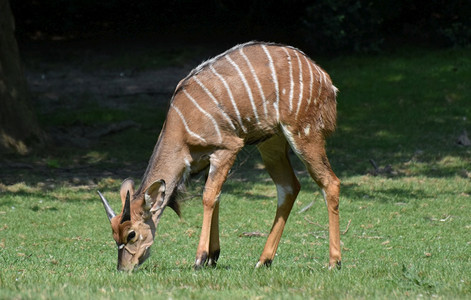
(266, 94)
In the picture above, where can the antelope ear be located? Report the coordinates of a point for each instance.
(126, 186)
(154, 196)
(126, 216)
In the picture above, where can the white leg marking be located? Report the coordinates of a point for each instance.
(290, 139)
(186, 125)
(252, 70)
(282, 192)
(246, 84)
(216, 102)
(311, 78)
(291, 82)
(275, 81)
(230, 96)
(324, 194)
(208, 115)
(187, 171)
(300, 99)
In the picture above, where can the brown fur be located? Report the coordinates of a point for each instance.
(256, 93)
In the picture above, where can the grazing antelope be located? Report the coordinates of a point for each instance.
(255, 93)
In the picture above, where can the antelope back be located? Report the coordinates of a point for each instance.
(252, 88)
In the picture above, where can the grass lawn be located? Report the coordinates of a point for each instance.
(406, 225)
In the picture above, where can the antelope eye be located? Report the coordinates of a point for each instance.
(131, 236)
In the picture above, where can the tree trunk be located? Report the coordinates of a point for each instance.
(18, 125)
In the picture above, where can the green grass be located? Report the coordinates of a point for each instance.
(410, 229)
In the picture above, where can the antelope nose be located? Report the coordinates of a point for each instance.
(122, 268)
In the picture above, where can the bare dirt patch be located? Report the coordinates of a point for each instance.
(56, 87)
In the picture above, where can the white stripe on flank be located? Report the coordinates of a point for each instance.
(324, 76)
(291, 84)
(252, 70)
(275, 80)
(230, 96)
(300, 99)
(311, 77)
(208, 115)
(216, 102)
(246, 84)
(320, 84)
(186, 125)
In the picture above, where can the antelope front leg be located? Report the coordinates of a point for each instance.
(214, 247)
(208, 247)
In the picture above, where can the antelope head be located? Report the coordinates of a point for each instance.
(134, 228)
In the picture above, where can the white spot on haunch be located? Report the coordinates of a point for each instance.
(307, 129)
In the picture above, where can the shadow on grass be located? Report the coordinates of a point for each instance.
(401, 109)
(385, 195)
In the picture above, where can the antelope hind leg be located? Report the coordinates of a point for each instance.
(275, 157)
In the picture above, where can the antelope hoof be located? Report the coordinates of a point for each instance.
(201, 260)
(266, 263)
(336, 265)
(213, 258)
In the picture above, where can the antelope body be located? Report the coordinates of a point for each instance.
(255, 93)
